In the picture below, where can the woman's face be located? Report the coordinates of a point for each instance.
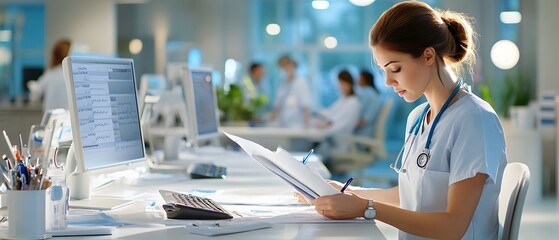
(288, 68)
(344, 87)
(407, 75)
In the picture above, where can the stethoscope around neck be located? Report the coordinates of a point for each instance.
(424, 156)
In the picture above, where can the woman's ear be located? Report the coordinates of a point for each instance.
(429, 56)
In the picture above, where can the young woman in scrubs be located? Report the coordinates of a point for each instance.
(452, 163)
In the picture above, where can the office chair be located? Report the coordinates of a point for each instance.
(516, 179)
(364, 150)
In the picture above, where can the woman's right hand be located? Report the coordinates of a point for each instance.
(335, 184)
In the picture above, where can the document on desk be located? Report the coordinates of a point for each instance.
(285, 166)
(287, 215)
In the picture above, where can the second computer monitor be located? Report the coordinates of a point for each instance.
(201, 102)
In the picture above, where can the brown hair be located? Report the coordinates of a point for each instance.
(411, 27)
(345, 76)
(285, 59)
(59, 52)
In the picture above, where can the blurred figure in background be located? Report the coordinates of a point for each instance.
(292, 103)
(252, 84)
(51, 84)
(340, 118)
(371, 104)
(255, 92)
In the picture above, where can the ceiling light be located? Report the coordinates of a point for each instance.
(320, 4)
(361, 3)
(505, 54)
(273, 29)
(512, 17)
(330, 42)
(135, 46)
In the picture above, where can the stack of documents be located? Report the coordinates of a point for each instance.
(285, 166)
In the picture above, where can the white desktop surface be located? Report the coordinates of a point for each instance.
(245, 177)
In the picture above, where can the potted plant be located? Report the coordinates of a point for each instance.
(235, 109)
(517, 96)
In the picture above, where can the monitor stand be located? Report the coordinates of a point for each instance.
(79, 184)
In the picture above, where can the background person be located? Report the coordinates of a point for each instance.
(371, 104)
(340, 119)
(252, 84)
(293, 101)
(51, 84)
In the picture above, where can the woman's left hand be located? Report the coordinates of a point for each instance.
(340, 206)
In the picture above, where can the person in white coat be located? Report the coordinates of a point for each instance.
(452, 163)
(51, 85)
(293, 102)
(340, 118)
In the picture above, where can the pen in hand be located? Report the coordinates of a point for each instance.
(346, 185)
(306, 158)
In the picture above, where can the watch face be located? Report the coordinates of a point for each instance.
(370, 213)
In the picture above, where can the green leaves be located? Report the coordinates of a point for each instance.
(234, 107)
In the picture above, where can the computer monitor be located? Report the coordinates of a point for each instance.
(174, 72)
(201, 104)
(104, 113)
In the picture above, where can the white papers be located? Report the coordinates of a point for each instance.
(286, 215)
(285, 166)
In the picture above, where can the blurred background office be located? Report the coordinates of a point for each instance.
(515, 70)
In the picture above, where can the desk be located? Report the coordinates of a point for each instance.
(272, 137)
(244, 177)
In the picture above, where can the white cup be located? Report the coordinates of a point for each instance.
(26, 214)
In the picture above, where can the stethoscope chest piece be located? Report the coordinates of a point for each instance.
(422, 159)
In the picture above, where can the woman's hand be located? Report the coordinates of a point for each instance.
(335, 184)
(322, 124)
(340, 206)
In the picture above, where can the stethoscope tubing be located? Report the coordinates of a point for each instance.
(414, 130)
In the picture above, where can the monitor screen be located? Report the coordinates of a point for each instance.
(202, 104)
(104, 111)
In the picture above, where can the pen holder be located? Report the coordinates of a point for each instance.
(26, 214)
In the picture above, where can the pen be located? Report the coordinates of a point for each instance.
(346, 184)
(10, 146)
(20, 145)
(306, 158)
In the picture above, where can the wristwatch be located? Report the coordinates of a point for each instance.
(370, 212)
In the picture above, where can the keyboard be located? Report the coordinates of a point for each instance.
(205, 170)
(187, 206)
